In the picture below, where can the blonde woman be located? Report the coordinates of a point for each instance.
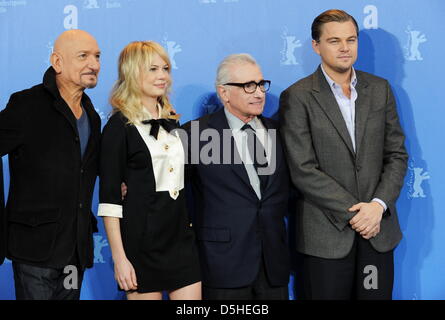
(151, 239)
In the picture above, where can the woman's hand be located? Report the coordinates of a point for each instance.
(125, 275)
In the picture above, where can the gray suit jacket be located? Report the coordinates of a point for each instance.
(327, 171)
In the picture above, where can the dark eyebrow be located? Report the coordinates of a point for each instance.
(337, 38)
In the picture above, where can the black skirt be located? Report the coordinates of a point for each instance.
(164, 256)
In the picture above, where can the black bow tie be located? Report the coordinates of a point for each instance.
(167, 124)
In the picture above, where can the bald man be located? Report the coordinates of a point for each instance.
(51, 134)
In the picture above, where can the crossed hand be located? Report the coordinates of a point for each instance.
(367, 220)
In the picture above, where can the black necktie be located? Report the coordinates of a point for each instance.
(257, 153)
(167, 124)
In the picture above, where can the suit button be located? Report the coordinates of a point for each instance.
(81, 171)
(358, 168)
(76, 139)
(80, 206)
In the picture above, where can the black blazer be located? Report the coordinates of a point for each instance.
(234, 228)
(51, 187)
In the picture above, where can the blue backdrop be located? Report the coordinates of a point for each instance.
(401, 40)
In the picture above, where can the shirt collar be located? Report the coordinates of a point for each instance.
(236, 123)
(332, 83)
(50, 84)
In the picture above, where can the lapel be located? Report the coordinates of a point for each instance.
(218, 121)
(362, 107)
(326, 100)
(61, 106)
(49, 81)
(277, 153)
(93, 139)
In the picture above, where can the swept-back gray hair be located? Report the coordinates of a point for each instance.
(223, 74)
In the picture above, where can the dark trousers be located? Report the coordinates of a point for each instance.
(260, 289)
(36, 283)
(364, 274)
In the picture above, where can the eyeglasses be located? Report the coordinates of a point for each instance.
(250, 87)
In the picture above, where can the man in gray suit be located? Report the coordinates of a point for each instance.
(346, 154)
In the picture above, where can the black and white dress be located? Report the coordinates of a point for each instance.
(156, 232)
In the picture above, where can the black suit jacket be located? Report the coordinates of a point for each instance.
(234, 228)
(49, 202)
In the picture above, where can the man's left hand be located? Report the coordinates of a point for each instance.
(367, 220)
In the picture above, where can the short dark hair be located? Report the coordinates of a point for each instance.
(333, 15)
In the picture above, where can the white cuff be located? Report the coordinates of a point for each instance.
(383, 204)
(109, 210)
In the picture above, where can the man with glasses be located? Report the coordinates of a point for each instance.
(240, 189)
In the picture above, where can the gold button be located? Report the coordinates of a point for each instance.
(166, 147)
(175, 193)
(171, 169)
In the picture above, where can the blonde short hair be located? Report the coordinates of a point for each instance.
(126, 92)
